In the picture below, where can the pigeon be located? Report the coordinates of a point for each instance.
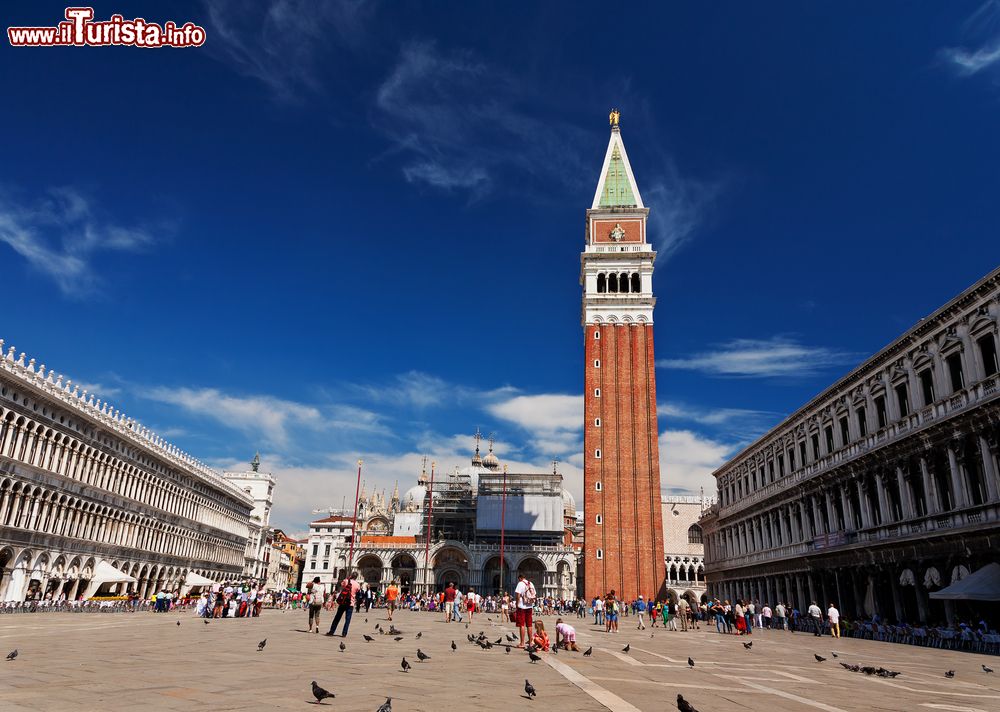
(421, 655)
(398, 638)
(534, 658)
(178, 622)
(386, 706)
(868, 670)
(819, 658)
(588, 652)
(847, 667)
(261, 644)
(627, 648)
(507, 647)
(892, 673)
(950, 674)
(368, 638)
(206, 622)
(555, 649)
(419, 634)
(12, 654)
(747, 646)
(499, 641)
(690, 662)
(453, 646)
(488, 645)
(466, 626)
(683, 705)
(834, 655)
(343, 647)
(405, 665)
(987, 669)
(366, 620)
(320, 694)
(529, 689)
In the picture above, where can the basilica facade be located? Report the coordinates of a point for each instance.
(451, 526)
(93, 503)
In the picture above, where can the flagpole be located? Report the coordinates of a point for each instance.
(503, 525)
(354, 526)
(427, 542)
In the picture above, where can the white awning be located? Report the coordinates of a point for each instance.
(981, 585)
(106, 573)
(193, 579)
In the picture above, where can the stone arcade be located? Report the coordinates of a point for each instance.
(882, 488)
(92, 502)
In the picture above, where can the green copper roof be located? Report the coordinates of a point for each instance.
(617, 190)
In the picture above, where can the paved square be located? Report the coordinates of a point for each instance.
(84, 662)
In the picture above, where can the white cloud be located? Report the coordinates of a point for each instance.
(265, 417)
(458, 123)
(687, 461)
(983, 29)
(60, 234)
(287, 44)
(776, 357)
(677, 207)
(554, 422)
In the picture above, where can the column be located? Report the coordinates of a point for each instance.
(845, 503)
(817, 515)
(989, 469)
(930, 492)
(957, 481)
(905, 496)
(863, 501)
(883, 499)
(897, 601)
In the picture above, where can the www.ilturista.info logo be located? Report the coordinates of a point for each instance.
(80, 30)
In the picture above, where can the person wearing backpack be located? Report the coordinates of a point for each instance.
(526, 597)
(314, 602)
(346, 599)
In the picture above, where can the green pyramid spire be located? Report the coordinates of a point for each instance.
(617, 189)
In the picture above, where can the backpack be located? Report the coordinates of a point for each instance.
(529, 594)
(344, 597)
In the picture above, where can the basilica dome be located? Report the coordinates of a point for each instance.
(569, 502)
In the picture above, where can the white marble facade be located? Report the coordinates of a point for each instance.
(88, 495)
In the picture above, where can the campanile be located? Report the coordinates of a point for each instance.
(623, 529)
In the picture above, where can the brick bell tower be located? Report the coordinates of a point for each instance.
(623, 528)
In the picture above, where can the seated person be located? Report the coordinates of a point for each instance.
(541, 639)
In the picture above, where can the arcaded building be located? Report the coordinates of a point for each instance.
(92, 502)
(684, 548)
(882, 488)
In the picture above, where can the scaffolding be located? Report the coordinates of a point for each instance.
(449, 510)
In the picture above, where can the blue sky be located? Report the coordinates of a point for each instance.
(354, 229)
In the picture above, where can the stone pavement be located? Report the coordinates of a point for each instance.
(84, 662)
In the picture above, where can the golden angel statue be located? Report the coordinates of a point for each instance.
(614, 117)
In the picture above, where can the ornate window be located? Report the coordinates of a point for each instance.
(636, 284)
(694, 534)
(602, 283)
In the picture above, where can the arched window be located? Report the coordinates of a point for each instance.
(613, 283)
(694, 534)
(602, 283)
(623, 282)
(636, 286)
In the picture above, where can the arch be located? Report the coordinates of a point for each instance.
(623, 282)
(602, 283)
(694, 534)
(451, 563)
(404, 570)
(491, 576)
(612, 283)
(636, 283)
(369, 567)
(534, 570)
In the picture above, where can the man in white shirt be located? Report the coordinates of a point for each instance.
(780, 612)
(816, 617)
(456, 610)
(525, 594)
(833, 615)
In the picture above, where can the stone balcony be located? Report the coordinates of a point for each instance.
(986, 390)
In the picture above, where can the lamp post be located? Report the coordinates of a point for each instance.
(427, 542)
(354, 526)
(503, 525)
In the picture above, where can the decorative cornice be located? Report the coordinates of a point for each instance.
(103, 414)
